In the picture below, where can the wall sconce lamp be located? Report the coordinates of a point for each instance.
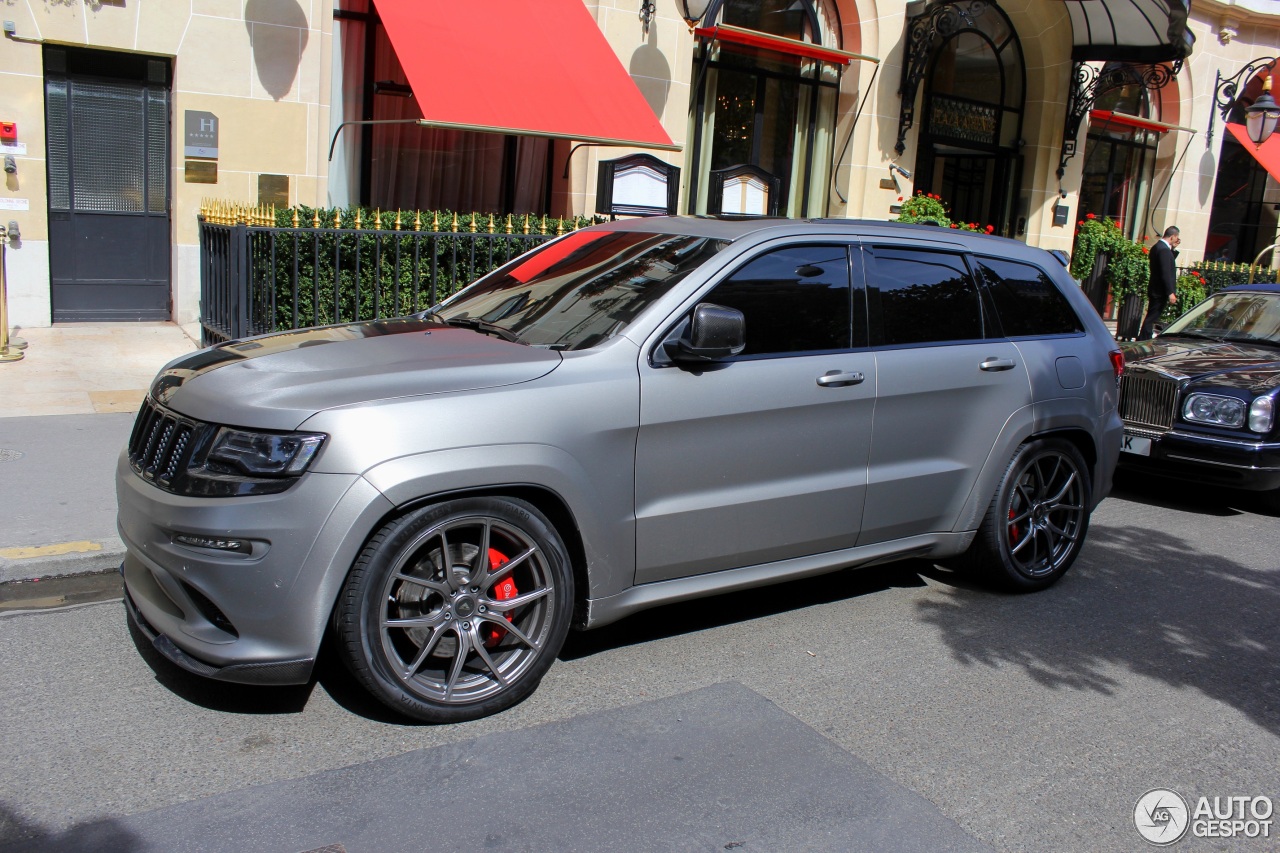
(1226, 92)
(692, 11)
(647, 8)
(1260, 118)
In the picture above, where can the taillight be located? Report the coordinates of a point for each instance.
(1117, 362)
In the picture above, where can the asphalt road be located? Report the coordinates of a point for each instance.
(894, 707)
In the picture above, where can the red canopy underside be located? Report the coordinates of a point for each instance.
(1268, 153)
(513, 66)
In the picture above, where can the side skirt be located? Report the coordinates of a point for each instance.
(602, 611)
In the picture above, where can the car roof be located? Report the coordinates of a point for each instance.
(734, 228)
(1260, 286)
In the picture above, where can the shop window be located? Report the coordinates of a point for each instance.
(764, 107)
(1119, 160)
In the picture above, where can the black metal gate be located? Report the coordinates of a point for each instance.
(107, 121)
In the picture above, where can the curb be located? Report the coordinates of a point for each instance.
(89, 558)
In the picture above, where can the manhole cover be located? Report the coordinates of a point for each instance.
(9, 455)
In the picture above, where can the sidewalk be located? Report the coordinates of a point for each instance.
(66, 410)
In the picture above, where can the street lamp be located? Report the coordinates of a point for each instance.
(1225, 90)
(693, 10)
(1260, 118)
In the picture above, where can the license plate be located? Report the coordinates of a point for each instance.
(1136, 444)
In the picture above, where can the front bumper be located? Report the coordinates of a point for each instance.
(255, 617)
(1240, 464)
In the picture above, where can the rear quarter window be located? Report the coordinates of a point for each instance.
(1026, 300)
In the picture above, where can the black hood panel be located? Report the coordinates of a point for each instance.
(1251, 367)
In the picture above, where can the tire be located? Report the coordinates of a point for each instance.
(1037, 521)
(445, 641)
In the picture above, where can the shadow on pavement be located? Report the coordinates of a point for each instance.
(220, 695)
(1189, 497)
(729, 608)
(1145, 600)
(19, 836)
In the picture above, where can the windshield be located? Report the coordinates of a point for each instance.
(580, 290)
(1237, 316)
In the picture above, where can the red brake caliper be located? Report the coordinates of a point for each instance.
(1014, 533)
(502, 592)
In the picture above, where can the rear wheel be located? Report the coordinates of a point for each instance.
(457, 610)
(1037, 521)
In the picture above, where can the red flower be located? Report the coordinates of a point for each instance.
(1090, 216)
(953, 225)
(1081, 222)
(990, 228)
(1145, 250)
(899, 198)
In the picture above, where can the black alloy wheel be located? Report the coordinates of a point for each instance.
(1037, 521)
(456, 611)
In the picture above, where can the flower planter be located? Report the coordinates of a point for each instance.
(1129, 320)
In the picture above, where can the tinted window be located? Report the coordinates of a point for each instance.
(1026, 300)
(922, 297)
(794, 299)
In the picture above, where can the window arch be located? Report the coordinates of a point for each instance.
(970, 58)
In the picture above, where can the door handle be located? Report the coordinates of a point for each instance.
(839, 379)
(994, 364)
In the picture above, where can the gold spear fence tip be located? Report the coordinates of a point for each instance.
(471, 225)
(296, 221)
(315, 217)
(454, 226)
(397, 225)
(508, 228)
(490, 223)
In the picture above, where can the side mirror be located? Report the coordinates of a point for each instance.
(715, 332)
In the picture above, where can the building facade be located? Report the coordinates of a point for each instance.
(1024, 115)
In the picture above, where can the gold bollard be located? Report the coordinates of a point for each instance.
(8, 352)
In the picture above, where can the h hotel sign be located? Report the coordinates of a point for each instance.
(201, 135)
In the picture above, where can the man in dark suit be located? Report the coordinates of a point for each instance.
(1162, 287)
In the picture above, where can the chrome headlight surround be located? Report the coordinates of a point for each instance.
(1214, 409)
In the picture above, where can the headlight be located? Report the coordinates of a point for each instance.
(1262, 414)
(262, 454)
(1212, 409)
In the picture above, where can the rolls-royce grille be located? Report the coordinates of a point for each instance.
(161, 444)
(1149, 402)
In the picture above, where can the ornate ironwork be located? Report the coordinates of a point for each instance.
(1226, 89)
(1089, 83)
(938, 21)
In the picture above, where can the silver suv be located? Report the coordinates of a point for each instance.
(634, 414)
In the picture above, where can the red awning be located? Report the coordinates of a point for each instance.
(1268, 153)
(539, 68)
(781, 44)
(1126, 120)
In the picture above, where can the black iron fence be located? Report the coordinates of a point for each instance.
(258, 276)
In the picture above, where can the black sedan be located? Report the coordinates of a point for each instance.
(1199, 402)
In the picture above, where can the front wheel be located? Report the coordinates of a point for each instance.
(1038, 518)
(456, 611)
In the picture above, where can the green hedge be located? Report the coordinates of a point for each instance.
(343, 275)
